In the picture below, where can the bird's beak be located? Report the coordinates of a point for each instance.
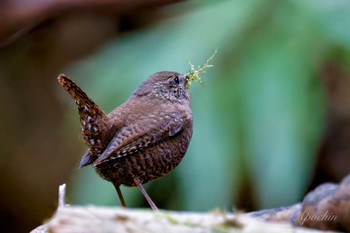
(186, 75)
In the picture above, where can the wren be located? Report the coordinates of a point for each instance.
(141, 140)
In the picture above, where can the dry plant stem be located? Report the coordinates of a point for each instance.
(62, 196)
(148, 198)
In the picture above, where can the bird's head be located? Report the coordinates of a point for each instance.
(167, 85)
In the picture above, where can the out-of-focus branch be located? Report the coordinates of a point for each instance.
(18, 17)
(327, 208)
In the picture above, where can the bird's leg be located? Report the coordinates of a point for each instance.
(148, 198)
(120, 195)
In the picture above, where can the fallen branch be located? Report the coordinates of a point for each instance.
(102, 219)
(327, 208)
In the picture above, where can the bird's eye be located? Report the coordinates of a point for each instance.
(176, 80)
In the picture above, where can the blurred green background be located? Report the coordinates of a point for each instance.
(271, 123)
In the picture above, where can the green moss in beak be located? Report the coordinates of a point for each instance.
(195, 74)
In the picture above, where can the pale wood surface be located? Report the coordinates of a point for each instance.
(93, 219)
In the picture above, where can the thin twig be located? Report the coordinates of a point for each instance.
(62, 196)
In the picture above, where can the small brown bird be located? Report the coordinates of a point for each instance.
(141, 140)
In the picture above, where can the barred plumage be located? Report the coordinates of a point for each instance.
(142, 139)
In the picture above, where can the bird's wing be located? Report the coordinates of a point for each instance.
(133, 138)
(87, 159)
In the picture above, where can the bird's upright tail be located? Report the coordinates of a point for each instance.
(91, 114)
